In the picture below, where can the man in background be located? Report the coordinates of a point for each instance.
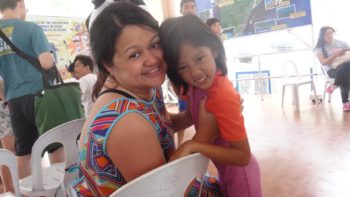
(83, 70)
(22, 81)
(188, 7)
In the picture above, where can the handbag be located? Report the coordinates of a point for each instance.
(340, 60)
(59, 102)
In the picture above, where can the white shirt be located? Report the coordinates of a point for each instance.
(86, 83)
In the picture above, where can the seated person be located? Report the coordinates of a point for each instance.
(83, 70)
(327, 51)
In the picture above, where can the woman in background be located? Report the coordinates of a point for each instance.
(327, 51)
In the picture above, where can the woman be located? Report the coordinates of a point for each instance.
(328, 50)
(127, 132)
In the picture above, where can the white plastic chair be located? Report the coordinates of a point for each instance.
(52, 181)
(169, 180)
(328, 82)
(7, 158)
(292, 77)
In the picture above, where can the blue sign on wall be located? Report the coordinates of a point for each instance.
(247, 17)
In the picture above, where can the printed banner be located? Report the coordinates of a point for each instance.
(68, 37)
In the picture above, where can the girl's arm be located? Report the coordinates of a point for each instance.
(134, 148)
(238, 153)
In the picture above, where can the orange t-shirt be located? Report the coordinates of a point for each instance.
(225, 103)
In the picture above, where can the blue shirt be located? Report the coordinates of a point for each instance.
(20, 77)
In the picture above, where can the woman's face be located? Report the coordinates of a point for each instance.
(138, 62)
(328, 36)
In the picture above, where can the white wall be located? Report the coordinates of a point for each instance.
(334, 13)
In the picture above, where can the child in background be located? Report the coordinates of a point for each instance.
(196, 62)
(215, 25)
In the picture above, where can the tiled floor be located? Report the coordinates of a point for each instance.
(305, 154)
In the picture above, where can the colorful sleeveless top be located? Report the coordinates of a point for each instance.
(99, 175)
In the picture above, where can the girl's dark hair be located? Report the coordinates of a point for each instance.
(106, 31)
(189, 29)
(320, 42)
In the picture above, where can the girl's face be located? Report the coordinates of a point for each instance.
(138, 64)
(328, 36)
(197, 65)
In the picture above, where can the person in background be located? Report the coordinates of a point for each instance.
(215, 26)
(197, 63)
(327, 49)
(70, 69)
(83, 70)
(22, 81)
(188, 7)
(7, 140)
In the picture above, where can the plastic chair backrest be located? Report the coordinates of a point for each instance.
(171, 179)
(67, 135)
(290, 69)
(325, 73)
(8, 159)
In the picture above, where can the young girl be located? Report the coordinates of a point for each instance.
(196, 62)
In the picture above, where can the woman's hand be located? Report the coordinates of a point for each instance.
(340, 52)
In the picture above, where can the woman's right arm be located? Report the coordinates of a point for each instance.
(134, 148)
(330, 59)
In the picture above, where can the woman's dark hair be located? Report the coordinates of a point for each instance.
(106, 31)
(320, 42)
(189, 29)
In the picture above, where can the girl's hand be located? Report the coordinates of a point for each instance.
(185, 149)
